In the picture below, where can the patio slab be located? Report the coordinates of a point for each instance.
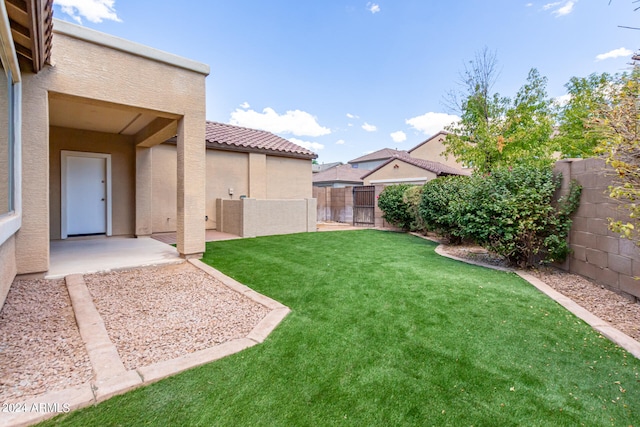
(106, 254)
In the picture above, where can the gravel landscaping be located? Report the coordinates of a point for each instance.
(40, 346)
(160, 313)
(151, 314)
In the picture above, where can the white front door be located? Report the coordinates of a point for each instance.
(85, 194)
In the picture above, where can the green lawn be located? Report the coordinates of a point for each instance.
(383, 331)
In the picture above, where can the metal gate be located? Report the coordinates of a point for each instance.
(364, 204)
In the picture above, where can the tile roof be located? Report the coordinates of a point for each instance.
(382, 154)
(340, 173)
(236, 138)
(435, 167)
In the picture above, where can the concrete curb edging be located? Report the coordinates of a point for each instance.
(603, 327)
(110, 376)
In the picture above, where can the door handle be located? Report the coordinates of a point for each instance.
(102, 200)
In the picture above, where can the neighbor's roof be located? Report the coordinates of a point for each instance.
(235, 138)
(340, 173)
(382, 154)
(435, 167)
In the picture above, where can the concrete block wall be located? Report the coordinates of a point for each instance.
(598, 253)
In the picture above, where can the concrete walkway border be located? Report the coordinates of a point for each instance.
(605, 328)
(110, 376)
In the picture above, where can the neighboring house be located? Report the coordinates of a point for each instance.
(324, 166)
(338, 177)
(408, 170)
(433, 149)
(240, 163)
(76, 145)
(373, 160)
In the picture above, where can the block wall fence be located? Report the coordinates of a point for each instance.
(597, 252)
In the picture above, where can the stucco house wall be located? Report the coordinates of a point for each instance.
(90, 71)
(288, 178)
(398, 171)
(122, 151)
(433, 149)
(253, 175)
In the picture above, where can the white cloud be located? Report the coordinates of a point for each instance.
(340, 142)
(615, 53)
(373, 7)
(313, 146)
(245, 105)
(398, 136)
(560, 8)
(91, 10)
(369, 128)
(352, 116)
(529, 4)
(350, 124)
(431, 123)
(562, 100)
(296, 122)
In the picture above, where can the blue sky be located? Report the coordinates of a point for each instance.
(348, 77)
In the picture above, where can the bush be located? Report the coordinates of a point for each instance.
(396, 210)
(412, 197)
(512, 213)
(436, 209)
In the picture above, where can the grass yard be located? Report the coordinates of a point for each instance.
(383, 331)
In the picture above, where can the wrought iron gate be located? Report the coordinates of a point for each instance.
(364, 204)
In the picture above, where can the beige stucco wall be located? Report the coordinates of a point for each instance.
(8, 270)
(246, 173)
(289, 178)
(122, 153)
(433, 151)
(93, 71)
(254, 218)
(391, 174)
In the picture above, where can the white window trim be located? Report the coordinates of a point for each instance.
(64, 154)
(11, 222)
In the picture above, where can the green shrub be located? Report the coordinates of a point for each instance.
(393, 206)
(436, 209)
(511, 212)
(412, 197)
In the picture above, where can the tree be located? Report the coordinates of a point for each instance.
(494, 130)
(586, 94)
(617, 123)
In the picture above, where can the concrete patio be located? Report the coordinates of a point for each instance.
(98, 254)
(107, 253)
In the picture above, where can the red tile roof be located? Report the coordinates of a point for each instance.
(340, 173)
(383, 154)
(236, 138)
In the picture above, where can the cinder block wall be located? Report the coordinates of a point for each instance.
(598, 253)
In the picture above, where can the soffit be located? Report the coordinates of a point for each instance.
(87, 114)
(31, 29)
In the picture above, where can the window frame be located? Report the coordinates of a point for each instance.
(11, 221)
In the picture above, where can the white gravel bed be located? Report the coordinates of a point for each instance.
(40, 346)
(160, 313)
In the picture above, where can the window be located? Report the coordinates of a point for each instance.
(10, 121)
(5, 148)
